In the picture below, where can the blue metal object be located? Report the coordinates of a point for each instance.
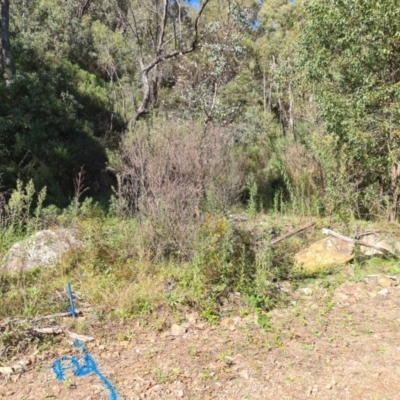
(82, 367)
(71, 300)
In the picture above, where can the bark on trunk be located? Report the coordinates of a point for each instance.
(6, 58)
(394, 177)
(83, 8)
(161, 57)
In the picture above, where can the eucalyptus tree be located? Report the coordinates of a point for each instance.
(6, 57)
(215, 83)
(351, 51)
(161, 30)
(280, 21)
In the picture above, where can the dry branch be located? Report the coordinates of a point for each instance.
(291, 233)
(354, 241)
(53, 330)
(56, 330)
(159, 56)
(59, 315)
(81, 338)
(38, 319)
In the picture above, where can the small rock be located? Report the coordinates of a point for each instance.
(384, 281)
(384, 292)
(307, 291)
(177, 330)
(244, 374)
(192, 317)
(6, 370)
(391, 244)
(360, 286)
(227, 321)
(229, 361)
(352, 299)
(179, 393)
(341, 296)
(237, 320)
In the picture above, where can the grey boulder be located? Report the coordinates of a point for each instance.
(43, 249)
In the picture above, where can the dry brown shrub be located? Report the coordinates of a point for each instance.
(169, 173)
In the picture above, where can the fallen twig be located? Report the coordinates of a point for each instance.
(59, 315)
(56, 330)
(46, 317)
(392, 277)
(291, 233)
(81, 338)
(360, 242)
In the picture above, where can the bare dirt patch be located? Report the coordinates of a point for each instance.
(340, 345)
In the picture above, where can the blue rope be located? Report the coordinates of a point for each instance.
(71, 300)
(86, 367)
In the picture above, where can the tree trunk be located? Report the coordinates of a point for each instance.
(291, 112)
(6, 58)
(162, 56)
(394, 176)
(83, 8)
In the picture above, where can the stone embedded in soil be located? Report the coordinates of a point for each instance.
(177, 330)
(341, 296)
(384, 292)
(306, 291)
(237, 320)
(324, 254)
(244, 374)
(6, 370)
(391, 244)
(192, 317)
(384, 281)
(43, 249)
(227, 321)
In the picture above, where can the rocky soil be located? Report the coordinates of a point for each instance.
(343, 344)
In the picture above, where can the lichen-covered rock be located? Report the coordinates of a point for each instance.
(391, 244)
(324, 254)
(42, 249)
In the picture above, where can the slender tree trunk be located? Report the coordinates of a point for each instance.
(161, 55)
(291, 112)
(6, 58)
(83, 8)
(264, 93)
(394, 176)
